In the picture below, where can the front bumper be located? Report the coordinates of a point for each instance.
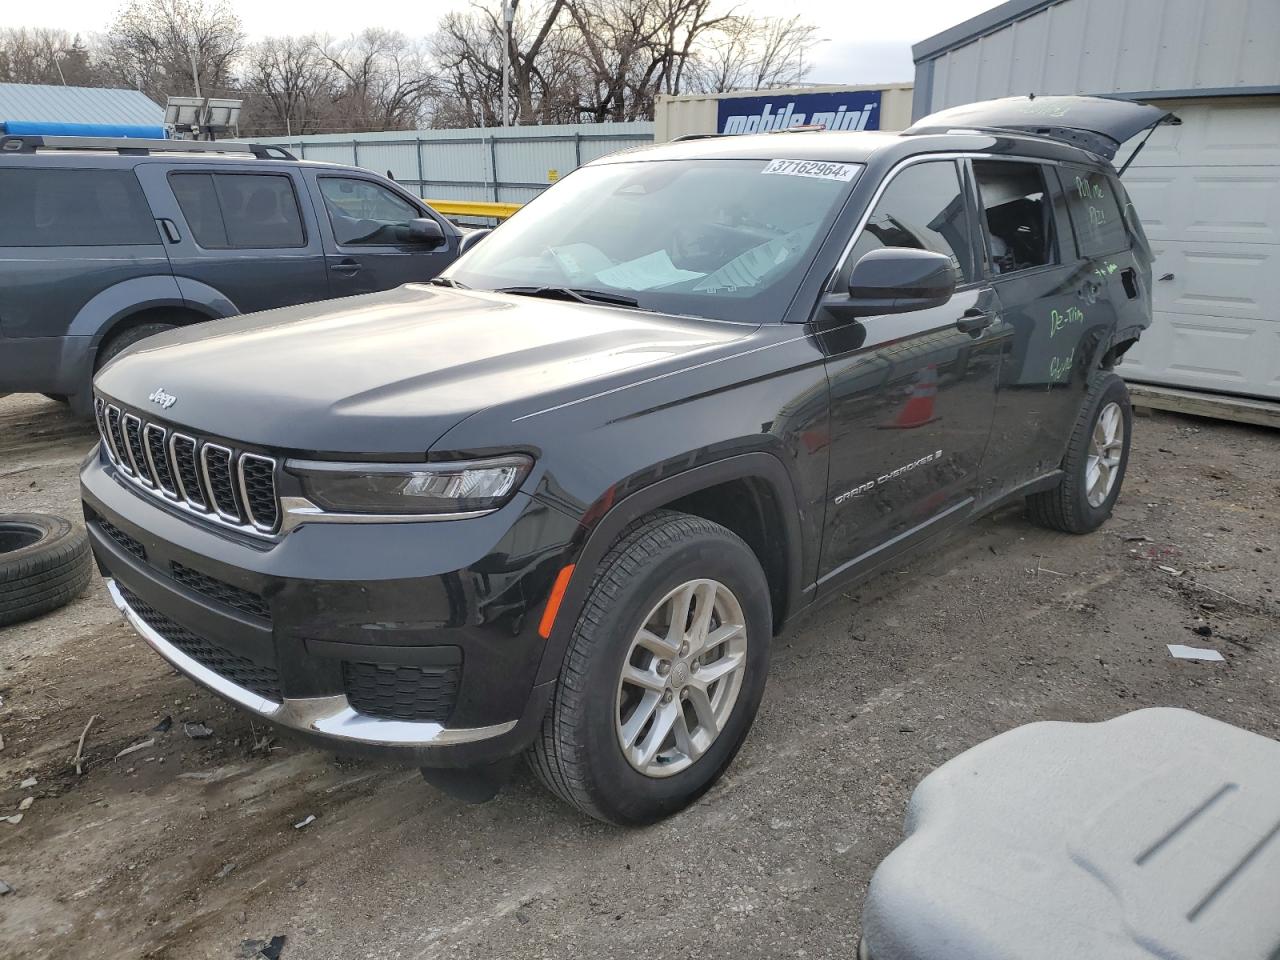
(331, 716)
(277, 628)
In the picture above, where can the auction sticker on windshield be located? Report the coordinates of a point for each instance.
(817, 169)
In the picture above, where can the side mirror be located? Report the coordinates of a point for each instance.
(899, 280)
(470, 238)
(425, 230)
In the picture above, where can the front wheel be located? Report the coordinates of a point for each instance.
(1094, 465)
(663, 675)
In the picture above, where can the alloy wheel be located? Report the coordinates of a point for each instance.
(1106, 446)
(681, 678)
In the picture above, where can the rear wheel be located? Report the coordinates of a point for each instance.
(118, 343)
(1094, 465)
(664, 672)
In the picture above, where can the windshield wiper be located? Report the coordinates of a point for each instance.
(572, 293)
(447, 282)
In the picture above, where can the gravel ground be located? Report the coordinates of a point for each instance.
(187, 847)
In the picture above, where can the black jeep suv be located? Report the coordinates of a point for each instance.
(557, 502)
(106, 241)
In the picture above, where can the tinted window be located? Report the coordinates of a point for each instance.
(66, 208)
(365, 212)
(921, 208)
(1018, 214)
(1095, 212)
(239, 210)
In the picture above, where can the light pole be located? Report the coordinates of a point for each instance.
(803, 48)
(508, 18)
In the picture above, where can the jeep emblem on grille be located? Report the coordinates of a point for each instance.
(165, 400)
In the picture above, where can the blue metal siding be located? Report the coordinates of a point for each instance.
(38, 102)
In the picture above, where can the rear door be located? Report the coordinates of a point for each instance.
(239, 231)
(1052, 305)
(912, 394)
(365, 225)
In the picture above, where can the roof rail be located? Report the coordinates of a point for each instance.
(697, 136)
(131, 146)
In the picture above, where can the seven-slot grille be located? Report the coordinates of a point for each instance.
(235, 488)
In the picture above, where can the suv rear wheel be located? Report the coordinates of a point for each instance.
(117, 343)
(1094, 466)
(664, 672)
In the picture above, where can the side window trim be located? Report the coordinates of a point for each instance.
(844, 264)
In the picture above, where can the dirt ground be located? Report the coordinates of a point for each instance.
(186, 848)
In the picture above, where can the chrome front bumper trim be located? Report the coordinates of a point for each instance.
(332, 717)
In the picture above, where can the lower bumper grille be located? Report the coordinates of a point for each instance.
(261, 679)
(401, 693)
(240, 599)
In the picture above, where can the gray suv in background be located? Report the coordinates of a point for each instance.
(104, 242)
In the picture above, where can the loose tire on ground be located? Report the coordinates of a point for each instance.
(44, 564)
(579, 755)
(1067, 507)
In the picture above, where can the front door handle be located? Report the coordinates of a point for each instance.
(347, 267)
(974, 321)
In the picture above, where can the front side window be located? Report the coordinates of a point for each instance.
(1095, 212)
(239, 211)
(1018, 214)
(922, 208)
(728, 239)
(58, 207)
(362, 212)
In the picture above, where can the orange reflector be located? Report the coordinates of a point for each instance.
(553, 604)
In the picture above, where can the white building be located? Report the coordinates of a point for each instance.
(1208, 191)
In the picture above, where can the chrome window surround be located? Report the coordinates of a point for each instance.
(332, 716)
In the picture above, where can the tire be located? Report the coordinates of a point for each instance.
(44, 564)
(578, 753)
(118, 343)
(1068, 507)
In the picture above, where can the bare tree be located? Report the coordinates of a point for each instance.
(289, 87)
(157, 45)
(43, 55)
(387, 79)
(746, 53)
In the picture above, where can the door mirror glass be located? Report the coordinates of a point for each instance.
(425, 230)
(899, 280)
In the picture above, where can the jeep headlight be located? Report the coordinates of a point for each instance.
(470, 486)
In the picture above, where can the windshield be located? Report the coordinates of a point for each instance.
(727, 239)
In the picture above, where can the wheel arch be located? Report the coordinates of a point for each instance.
(750, 494)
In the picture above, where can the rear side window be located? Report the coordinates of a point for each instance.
(922, 208)
(1018, 214)
(1095, 212)
(57, 207)
(239, 211)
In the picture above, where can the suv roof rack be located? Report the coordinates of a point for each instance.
(136, 146)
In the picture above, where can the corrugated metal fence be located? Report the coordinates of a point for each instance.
(504, 165)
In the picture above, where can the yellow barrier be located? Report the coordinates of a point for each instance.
(474, 208)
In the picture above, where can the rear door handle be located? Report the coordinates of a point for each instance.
(170, 230)
(348, 267)
(974, 320)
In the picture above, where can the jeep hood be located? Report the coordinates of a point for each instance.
(390, 373)
(1097, 124)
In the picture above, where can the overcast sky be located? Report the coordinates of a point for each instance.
(865, 42)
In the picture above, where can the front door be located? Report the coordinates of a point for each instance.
(912, 394)
(367, 242)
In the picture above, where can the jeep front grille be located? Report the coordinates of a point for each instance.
(232, 487)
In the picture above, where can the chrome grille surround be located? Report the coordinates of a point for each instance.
(201, 477)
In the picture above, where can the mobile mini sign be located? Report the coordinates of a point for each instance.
(855, 110)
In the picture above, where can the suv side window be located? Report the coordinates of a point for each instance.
(239, 211)
(364, 212)
(57, 207)
(1095, 212)
(922, 208)
(1018, 214)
